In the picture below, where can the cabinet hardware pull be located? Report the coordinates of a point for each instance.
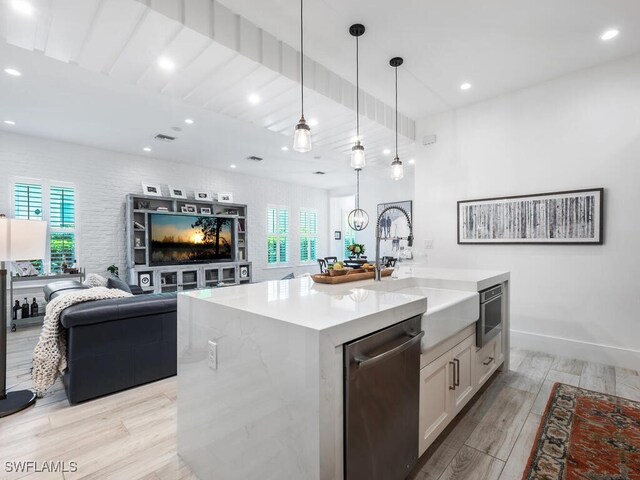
(456, 376)
(489, 360)
(453, 387)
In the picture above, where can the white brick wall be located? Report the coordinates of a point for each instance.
(103, 178)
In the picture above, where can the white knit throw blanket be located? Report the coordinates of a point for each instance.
(50, 354)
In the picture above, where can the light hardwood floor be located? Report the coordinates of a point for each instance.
(132, 435)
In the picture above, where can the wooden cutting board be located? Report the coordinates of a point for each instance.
(350, 277)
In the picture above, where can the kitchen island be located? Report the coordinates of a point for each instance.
(260, 366)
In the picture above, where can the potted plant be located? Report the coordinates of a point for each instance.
(113, 270)
(356, 249)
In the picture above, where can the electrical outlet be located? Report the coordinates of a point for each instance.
(428, 244)
(213, 355)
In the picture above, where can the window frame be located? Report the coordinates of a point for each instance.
(46, 186)
(278, 236)
(308, 236)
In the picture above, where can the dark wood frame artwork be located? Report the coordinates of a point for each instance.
(600, 240)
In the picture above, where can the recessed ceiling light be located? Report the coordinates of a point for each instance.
(188, 121)
(313, 122)
(386, 151)
(166, 63)
(254, 99)
(465, 86)
(147, 149)
(610, 34)
(284, 149)
(23, 7)
(412, 161)
(12, 71)
(232, 166)
(9, 122)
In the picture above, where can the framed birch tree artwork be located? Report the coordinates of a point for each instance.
(569, 218)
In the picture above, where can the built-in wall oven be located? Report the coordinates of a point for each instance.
(490, 323)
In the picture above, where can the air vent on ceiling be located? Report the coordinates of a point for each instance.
(319, 173)
(253, 158)
(165, 138)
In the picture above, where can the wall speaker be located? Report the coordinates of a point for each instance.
(244, 272)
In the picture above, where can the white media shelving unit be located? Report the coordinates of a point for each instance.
(175, 278)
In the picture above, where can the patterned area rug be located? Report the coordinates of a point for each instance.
(586, 435)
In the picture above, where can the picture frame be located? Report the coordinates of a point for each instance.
(232, 211)
(183, 209)
(395, 230)
(572, 217)
(224, 197)
(151, 189)
(205, 210)
(337, 235)
(177, 192)
(203, 196)
(191, 208)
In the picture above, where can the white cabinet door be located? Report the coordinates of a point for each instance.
(463, 358)
(487, 360)
(436, 386)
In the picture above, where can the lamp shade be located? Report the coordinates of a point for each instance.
(22, 239)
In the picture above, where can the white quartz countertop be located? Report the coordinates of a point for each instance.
(321, 307)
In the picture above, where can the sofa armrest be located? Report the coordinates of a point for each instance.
(99, 311)
(53, 289)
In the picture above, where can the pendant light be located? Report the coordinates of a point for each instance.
(357, 151)
(358, 218)
(397, 171)
(302, 135)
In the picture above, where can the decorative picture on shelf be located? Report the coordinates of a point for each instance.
(205, 210)
(191, 208)
(232, 211)
(394, 230)
(183, 209)
(177, 192)
(568, 218)
(337, 235)
(203, 196)
(151, 189)
(225, 197)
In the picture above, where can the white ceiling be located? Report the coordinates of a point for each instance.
(497, 45)
(121, 40)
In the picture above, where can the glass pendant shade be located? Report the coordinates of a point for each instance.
(302, 137)
(397, 171)
(358, 160)
(358, 219)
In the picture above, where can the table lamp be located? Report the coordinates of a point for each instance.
(19, 240)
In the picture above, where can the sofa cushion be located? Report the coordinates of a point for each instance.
(115, 282)
(99, 311)
(95, 280)
(53, 289)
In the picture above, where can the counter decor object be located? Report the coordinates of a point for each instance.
(349, 277)
(560, 218)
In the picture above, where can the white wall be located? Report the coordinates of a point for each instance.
(579, 131)
(103, 178)
(373, 190)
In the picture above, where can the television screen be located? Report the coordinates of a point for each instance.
(179, 239)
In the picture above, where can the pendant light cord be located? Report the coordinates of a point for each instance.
(302, 56)
(396, 112)
(357, 90)
(357, 189)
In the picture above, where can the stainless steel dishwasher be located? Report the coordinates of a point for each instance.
(381, 402)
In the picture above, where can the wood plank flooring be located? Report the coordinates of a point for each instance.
(132, 435)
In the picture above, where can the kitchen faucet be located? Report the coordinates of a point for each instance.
(378, 268)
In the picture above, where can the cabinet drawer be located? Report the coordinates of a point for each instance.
(487, 359)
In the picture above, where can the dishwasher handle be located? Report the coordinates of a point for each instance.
(363, 361)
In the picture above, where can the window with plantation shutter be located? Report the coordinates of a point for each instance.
(308, 235)
(35, 200)
(277, 235)
(62, 238)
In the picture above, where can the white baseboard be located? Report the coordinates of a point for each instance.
(592, 352)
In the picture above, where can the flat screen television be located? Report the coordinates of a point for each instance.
(181, 239)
